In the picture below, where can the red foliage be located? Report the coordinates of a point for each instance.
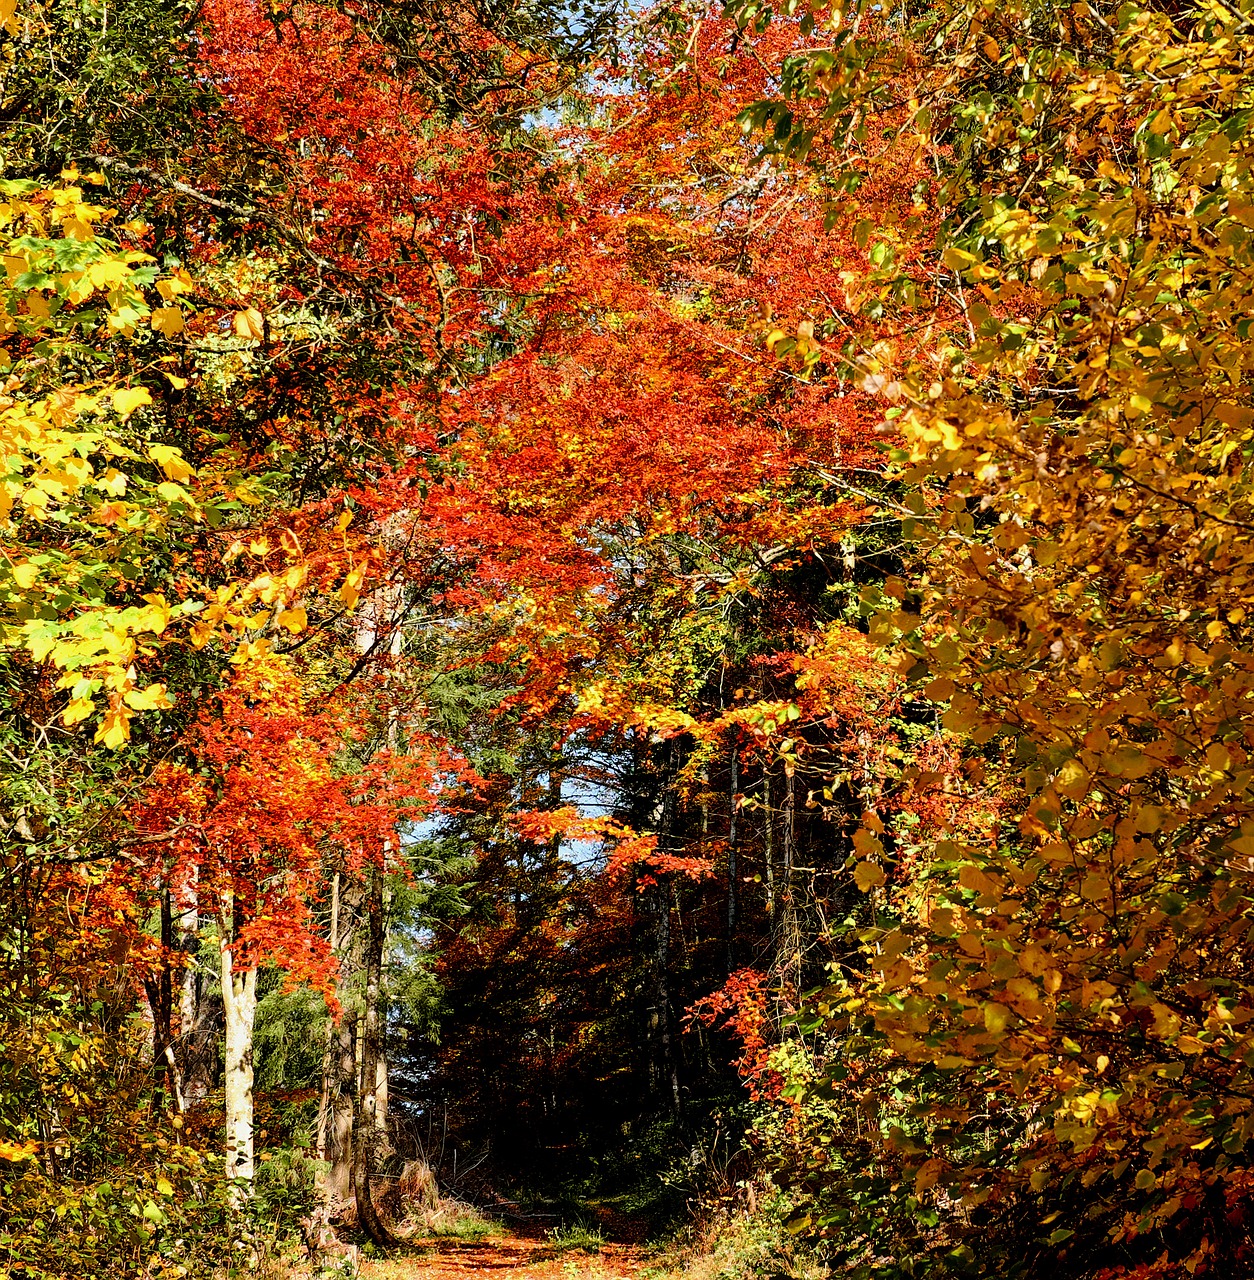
(741, 1007)
(241, 824)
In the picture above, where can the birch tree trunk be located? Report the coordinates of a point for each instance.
(381, 1089)
(189, 931)
(197, 1053)
(239, 1003)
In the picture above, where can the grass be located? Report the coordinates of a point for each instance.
(575, 1237)
(454, 1220)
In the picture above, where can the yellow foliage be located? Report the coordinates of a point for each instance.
(1080, 485)
(73, 451)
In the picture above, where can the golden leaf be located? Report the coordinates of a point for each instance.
(1073, 780)
(115, 728)
(153, 698)
(868, 875)
(171, 461)
(294, 620)
(928, 1175)
(996, 1017)
(78, 709)
(250, 324)
(128, 399)
(168, 321)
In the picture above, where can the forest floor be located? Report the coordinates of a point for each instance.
(510, 1257)
(604, 1240)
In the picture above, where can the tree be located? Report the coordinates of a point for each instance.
(247, 816)
(1054, 980)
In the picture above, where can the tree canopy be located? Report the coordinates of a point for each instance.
(612, 599)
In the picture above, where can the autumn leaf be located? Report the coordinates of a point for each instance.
(167, 321)
(997, 1017)
(294, 620)
(249, 324)
(171, 461)
(153, 698)
(115, 728)
(128, 399)
(77, 710)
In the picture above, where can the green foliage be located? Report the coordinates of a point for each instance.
(743, 1237)
(85, 77)
(96, 1185)
(285, 1185)
(288, 1036)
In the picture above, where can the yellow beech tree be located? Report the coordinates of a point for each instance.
(95, 501)
(1054, 1007)
(74, 506)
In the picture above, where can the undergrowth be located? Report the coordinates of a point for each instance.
(742, 1240)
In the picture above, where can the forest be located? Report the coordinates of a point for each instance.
(627, 639)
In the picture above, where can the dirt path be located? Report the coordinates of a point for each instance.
(511, 1258)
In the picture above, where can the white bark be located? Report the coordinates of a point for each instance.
(381, 1092)
(239, 1000)
(189, 926)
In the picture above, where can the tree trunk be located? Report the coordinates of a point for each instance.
(342, 1085)
(324, 1102)
(239, 1003)
(769, 835)
(381, 1062)
(556, 764)
(661, 971)
(667, 1076)
(197, 1051)
(381, 1087)
(365, 1134)
(790, 939)
(189, 943)
(160, 993)
(731, 859)
(339, 1183)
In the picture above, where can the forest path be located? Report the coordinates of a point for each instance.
(512, 1257)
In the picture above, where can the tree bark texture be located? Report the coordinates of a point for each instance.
(731, 858)
(790, 931)
(239, 1001)
(328, 1052)
(339, 1183)
(160, 993)
(189, 988)
(365, 1134)
(662, 995)
(342, 1086)
(769, 842)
